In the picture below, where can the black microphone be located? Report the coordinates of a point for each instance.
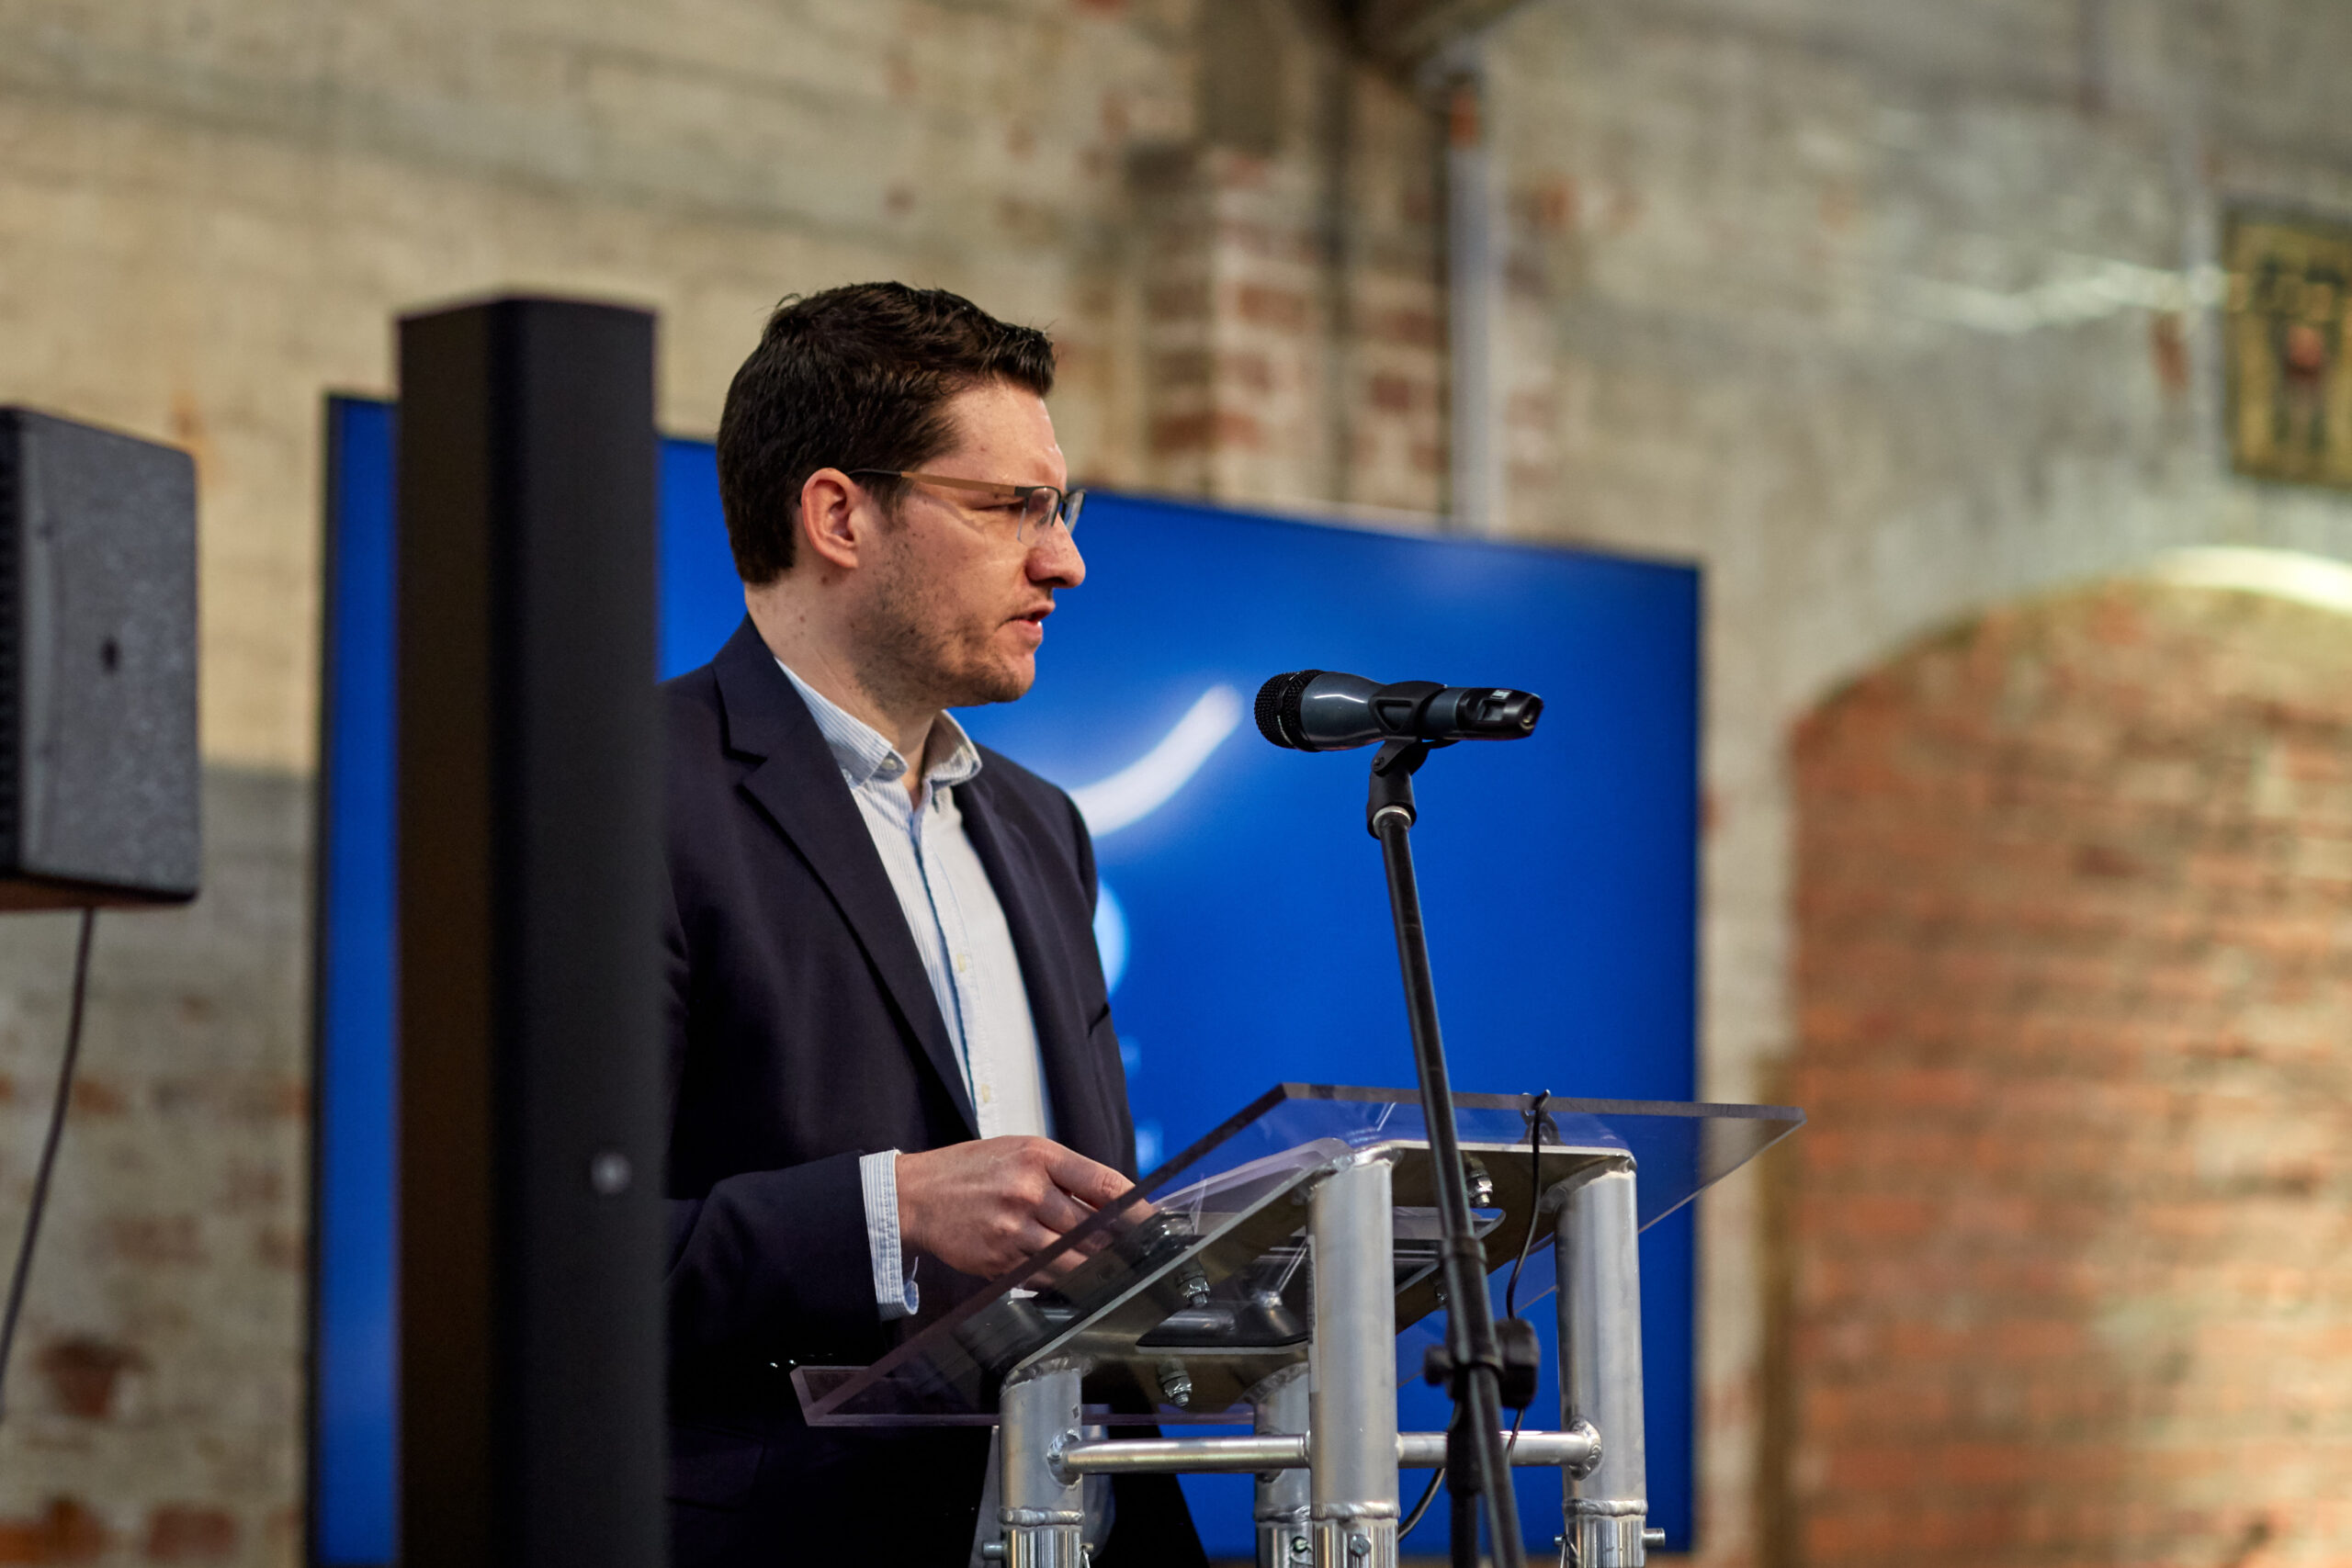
(1316, 710)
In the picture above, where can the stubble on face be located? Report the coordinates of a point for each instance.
(935, 629)
(912, 659)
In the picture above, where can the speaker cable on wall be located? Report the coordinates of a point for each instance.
(23, 1272)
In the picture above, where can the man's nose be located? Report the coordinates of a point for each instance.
(1054, 557)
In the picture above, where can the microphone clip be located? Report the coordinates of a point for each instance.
(1393, 767)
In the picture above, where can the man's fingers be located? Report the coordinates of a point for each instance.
(1091, 1184)
(1028, 1192)
(1061, 1213)
(1034, 1240)
(1030, 1239)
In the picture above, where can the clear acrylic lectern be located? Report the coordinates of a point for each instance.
(1262, 1276)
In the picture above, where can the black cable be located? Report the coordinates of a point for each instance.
(18, 1280)
(1429, 1496)
(1429, 1493)
(1510, 1291)
(1534, 1199)
(1535, 1208)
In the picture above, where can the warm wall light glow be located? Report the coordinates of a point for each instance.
(2284, 574)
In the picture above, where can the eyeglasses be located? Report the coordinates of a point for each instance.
(1041, 506)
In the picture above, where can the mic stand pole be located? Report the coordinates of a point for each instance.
(1476, 1464)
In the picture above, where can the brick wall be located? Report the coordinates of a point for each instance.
(1736, 231)
(1291, 334)
(211, 210)
(2070, 1234)
(155, 1401)
(1754, 250)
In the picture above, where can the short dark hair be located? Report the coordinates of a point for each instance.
(855, 377)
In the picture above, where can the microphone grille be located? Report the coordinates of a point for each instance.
(1277, 708)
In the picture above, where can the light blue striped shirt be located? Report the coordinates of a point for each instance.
(966, 948)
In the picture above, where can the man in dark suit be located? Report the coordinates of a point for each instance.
(892, 1067)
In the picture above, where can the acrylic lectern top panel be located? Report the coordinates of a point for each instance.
(1201, 1265)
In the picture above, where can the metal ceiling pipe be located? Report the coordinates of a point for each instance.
(1441, 47)
(1472, 272)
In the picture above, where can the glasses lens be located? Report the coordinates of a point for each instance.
(1072, 505)
(1037, 511)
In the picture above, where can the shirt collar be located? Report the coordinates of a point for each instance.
(863, 754)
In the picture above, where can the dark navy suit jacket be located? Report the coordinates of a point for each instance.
(802, 1035)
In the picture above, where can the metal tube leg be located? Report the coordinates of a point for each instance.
(1600, 1369)
(1043, 1515)
(1351, 1434)
(1285, 1497)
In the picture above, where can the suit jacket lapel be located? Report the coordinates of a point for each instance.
(799, 786)
(1073, 1077)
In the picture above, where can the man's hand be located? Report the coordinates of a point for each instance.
(982, 1207)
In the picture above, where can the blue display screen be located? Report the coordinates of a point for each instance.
(1243, 921)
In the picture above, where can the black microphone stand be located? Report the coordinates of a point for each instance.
(1477, 1465)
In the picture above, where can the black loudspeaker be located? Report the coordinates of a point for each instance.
(98, 768)
(532, 1429)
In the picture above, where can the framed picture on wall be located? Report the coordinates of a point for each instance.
(2288, 337)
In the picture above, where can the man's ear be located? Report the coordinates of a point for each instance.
(835, 512)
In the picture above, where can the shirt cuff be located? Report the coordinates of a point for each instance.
(894, 1279)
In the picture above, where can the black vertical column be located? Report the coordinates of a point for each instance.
(530, 1143)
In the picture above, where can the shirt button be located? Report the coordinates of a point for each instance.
(963, 964)
(988, 1094)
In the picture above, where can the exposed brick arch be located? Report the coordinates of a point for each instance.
(2070, 1234)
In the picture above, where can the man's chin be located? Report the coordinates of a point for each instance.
(1003, 685)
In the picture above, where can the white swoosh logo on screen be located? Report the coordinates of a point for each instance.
(1144, 785)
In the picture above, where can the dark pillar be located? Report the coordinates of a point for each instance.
(531, 1335)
